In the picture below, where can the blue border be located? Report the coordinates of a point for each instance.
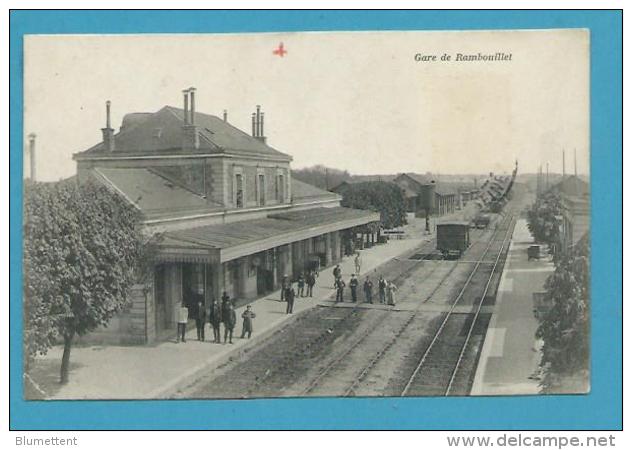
(601, 409)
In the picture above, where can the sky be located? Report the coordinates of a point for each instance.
(351, 100)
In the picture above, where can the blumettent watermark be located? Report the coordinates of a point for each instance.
(23, 441)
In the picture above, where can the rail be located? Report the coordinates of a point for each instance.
(509, 219)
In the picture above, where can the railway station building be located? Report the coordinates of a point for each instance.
(422, 194)
(229, 215)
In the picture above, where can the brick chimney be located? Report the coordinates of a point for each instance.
(32, 155)
(257, 125)
(190, 135)
(108, 131)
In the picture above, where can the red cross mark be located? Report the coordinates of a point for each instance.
(280, 51)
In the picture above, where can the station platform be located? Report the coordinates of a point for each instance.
(510, 355)
(159, 371)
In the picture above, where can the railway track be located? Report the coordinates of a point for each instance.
(440, 370)
(284, 364)
(331, 376)
(271, 368)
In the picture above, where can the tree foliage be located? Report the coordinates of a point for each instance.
(564, 328)
(385, 198)
(83, 250)
(542, 218)
(321, 176)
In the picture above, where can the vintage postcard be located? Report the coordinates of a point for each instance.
(309, 214)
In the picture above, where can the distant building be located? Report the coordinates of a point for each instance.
(231, 216)
(575, 198)
(422, 193)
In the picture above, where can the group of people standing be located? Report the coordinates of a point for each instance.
(304, 288)
(224, 312)
(217, 314)
(386, 289)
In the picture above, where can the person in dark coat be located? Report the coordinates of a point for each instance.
(301, 286)
(200, 319)
(381, 285)
(216, 319)
(337, 274)
(248, 315)
(311, 281)
(340, 289)
(353, 285)
(230, 320)
(225, 302)
(368, 290)
(289, 297)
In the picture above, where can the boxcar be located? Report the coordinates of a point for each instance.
(453, 238)
(481, 221)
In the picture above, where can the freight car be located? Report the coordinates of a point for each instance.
(453, 238)
(481, 221)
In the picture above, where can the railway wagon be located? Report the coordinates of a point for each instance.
(481, 221)
(453, 238)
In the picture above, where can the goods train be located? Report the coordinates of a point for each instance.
(453, 238)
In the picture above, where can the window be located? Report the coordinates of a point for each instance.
(239, 191)
(279, 189)
(261, 186)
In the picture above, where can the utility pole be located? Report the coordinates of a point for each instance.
(32, 137)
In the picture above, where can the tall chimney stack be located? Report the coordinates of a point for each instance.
(192, 93)
(108, 131)
(190, 136)
(563, 164)
(257, 125)
(32, 155)
(185, 92)
(225, 116)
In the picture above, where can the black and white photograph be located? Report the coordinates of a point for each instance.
(306, 214)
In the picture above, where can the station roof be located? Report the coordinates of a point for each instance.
(229, 241)
(160, 133)
(152, 193)
(302, 192)
(158, 196)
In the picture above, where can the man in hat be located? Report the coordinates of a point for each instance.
(289, 298)
(368, 290)
(353, 285)
(340, 289)
(248, 315)
(216, 319)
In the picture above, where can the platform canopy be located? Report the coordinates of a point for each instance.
(226, 242)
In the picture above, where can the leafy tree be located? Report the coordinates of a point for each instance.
(383, 197)
(542, 218)
(83, 250)
(321, 176)
(564, 328)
